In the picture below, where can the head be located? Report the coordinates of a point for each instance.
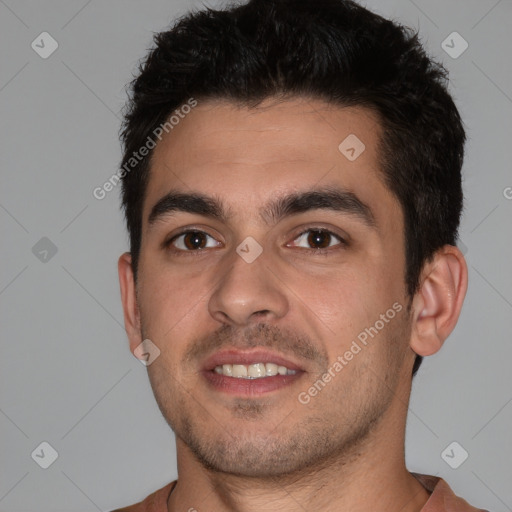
(290, 113)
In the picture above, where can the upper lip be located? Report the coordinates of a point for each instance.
(236, 356)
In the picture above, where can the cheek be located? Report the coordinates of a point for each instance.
(342, 298)
(348, 305)
(166, 301)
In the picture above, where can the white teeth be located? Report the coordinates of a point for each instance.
(239, 370)
(226, 369)
(253, 371)
(256, 370)
(271, 369)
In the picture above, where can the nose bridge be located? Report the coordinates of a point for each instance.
(247, 288)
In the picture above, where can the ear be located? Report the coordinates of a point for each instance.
(437, 304)
(129, 300)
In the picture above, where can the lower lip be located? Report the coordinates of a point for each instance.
(249, 387)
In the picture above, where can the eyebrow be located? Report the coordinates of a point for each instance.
(327, 198)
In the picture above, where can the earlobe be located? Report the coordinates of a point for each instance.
(438, 302)
(129, 300)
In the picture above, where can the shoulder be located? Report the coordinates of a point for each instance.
(442, 498)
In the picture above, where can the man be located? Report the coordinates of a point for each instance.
(292, 190)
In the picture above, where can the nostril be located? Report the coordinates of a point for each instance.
(262, 312)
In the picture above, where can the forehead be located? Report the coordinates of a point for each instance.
(249, 155)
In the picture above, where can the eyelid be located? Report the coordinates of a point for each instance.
(168, 241)
(343, 239)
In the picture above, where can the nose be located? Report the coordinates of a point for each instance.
(248, 293)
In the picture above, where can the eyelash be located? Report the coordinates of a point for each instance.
(324, 251)
(198, 252)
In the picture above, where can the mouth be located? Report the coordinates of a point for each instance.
(250, 372)
(253, 371)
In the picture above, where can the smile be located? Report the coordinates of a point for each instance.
(253, 371)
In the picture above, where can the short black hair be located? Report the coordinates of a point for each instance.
(335, 50)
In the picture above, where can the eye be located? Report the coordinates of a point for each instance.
(317, 240)
(193, 241)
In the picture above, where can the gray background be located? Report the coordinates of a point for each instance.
(67, 375)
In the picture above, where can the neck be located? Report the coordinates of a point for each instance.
(370, 476)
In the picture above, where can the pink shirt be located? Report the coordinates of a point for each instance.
(442, 498)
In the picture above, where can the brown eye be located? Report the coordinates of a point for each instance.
(317, 239)
(193, 241)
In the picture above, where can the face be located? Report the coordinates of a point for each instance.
(271, 278)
